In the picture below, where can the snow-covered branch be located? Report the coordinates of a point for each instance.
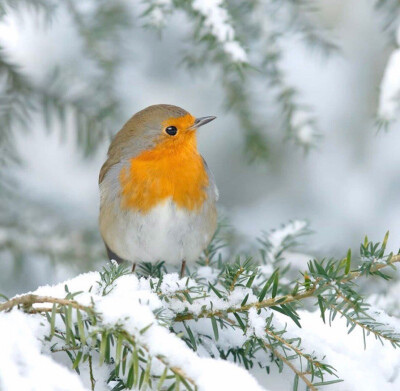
(165, 332)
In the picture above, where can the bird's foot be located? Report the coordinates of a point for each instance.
(183, 268)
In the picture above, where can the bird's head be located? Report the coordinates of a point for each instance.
(162, 127)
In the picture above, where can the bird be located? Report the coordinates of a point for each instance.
(157, 195)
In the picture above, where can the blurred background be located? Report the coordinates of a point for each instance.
(305, 94)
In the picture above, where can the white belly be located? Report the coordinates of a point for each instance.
(165, 233)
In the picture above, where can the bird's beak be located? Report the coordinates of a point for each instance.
(202, 121)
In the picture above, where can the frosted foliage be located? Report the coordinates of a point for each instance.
(236, 52)
(276, 238)
(131, 304)
(158, 12)
(301, 121)
(257, 323)
(217, 21)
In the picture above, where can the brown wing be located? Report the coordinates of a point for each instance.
(111, 255)
(106, 166)
(114, 153)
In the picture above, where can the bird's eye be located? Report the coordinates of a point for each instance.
(171, 130)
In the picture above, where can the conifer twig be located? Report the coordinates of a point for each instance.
(238, 273)
(92, 380)
(279, 300)
(290, 346)
(300, 374)
(28, 300)
(176, 370)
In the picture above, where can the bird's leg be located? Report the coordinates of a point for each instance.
(133, 268)
(183, 267)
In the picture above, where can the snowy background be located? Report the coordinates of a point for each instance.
(347, 187)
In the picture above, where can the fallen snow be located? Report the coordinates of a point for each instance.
(23, 367)
(131, 303)
(373, 369)
(256, 323)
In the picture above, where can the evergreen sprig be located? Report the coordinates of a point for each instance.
(238, 301)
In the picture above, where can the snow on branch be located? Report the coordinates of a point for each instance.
(217, 21)
(119, 305)
(157, 12)
(164, 332)
(279, 240)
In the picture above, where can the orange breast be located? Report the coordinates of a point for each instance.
(172, 169)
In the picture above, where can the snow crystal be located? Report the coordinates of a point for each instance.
(256, 323)
(172, 283)
(236, 297)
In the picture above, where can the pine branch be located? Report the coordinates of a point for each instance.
(287, 362)
(298, 351)
(176, 370)
(27, 302)
(313, 291)
(235, 278)
(92, 381)
(242, 282)
(367, 325)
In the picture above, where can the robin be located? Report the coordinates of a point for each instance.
(157, 195)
